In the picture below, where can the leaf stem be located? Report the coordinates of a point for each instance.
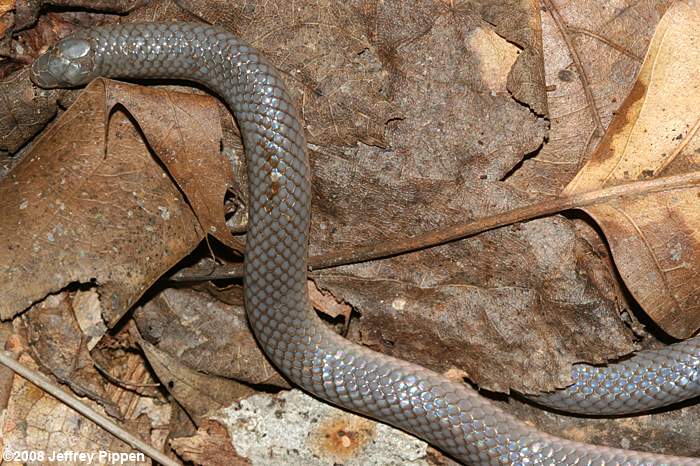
(462, 230)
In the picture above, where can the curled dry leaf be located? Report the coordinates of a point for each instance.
(654, 239)
(90, 203)
(88, 315)
(187, 146)
(525, 80)
(6, 6)
(327, 303)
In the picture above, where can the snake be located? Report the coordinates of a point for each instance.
(450, 415)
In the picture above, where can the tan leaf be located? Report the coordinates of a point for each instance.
(327, 303)
(23, 111)
(6, 5)
(89, 202)
(59, 346)
(592, 51)
(654, 240)
(185, 135)
(519, 22)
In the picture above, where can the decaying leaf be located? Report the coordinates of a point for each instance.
(178, 132)
(327, 57)
(510, 307)
(6, 6)
(196, 392)
(88, 315)
(592, 51)
(90, 203)
(35, 421)
(24, 111)
(211, 445)
(187, 325)
(57, 343)
(654, 239)
(526, 77)
(327, 303)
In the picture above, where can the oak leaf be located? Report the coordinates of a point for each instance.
(654, 239)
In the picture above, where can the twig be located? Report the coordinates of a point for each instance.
(42, 382)
(122, 383)
(463, 230)
(607, 42)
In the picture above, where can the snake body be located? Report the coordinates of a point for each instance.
(451, 416)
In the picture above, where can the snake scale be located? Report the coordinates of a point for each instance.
(449, 415)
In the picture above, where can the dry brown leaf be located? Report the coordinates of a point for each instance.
(592, 51)
(210, 446)
(196, 392)
(90, 202)
(6, 5)
(525, 79)
(327, 58)
(654, 239)
(187, 325)
(24, 111)
(35, 421)
(477, 301)
(185, 136)
(88, 315)
(59, 346)
(327, 303)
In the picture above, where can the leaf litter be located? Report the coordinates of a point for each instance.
(419, 115)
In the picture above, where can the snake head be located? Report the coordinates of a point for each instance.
(68, 63)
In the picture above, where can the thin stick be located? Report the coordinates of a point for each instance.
(607, 42)
(110, 426)
(463, 230)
